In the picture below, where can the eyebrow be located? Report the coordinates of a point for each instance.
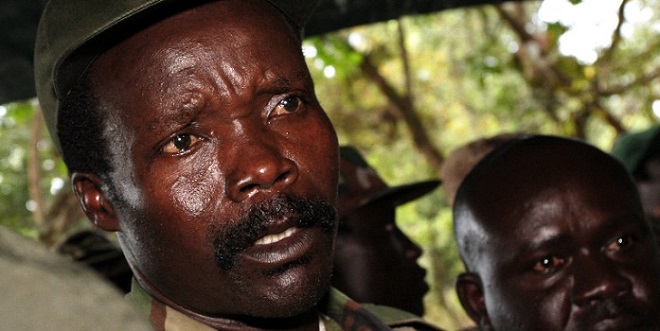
(174, 118)
(276, 84)
(553, 240)
(184, 114)
(627, 222)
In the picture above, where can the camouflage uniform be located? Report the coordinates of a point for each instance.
(338, 312)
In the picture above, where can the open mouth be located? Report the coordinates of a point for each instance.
(273, 238)
(275, 232)
(277, 250)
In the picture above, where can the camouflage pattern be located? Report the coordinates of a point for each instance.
(338, 312)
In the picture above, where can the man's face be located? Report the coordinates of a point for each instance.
(576, 255)
(226, 165)
(376, 262)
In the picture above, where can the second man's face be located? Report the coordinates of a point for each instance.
(575, 257)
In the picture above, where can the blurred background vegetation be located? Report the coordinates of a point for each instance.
(407, 92)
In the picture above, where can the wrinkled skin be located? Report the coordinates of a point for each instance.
(376, 262)
(211, 112)
(564, 245)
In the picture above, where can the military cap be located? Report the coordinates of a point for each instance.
(73, 33)
(634, 148)
(360, 184)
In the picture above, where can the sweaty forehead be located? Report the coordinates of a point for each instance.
(538, 188)
(533, 170)
(230, 23)
(213, 46)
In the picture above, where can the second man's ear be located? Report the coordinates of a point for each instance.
(471, 295)
(94, 201)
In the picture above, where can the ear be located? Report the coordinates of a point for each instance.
(471, 294)
(94, 202)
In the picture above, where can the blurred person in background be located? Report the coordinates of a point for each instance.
(640, 153)
(375, 261)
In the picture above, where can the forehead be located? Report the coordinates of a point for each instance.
(564, 187)
(223, 48)
(217, 31)
(571, 209)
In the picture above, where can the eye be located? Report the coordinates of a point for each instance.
(548, 264)
(180, 144)
(288, 105)
(621, 243)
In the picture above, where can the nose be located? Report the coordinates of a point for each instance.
(597, 279)
(409, 249)
(259, 166)
(413, 251)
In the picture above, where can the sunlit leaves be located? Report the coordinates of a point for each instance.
(16, 130)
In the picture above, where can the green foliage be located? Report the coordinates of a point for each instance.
(468, 81)
(14, 122)
(17, 123)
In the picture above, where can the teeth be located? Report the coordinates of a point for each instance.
(273, 238)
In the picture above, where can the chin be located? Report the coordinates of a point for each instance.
(295, 291)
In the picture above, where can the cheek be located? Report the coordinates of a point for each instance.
(125, 172)
(646, 287)
(196, 191)
(528, 307)
(322, 161)
(188, 186)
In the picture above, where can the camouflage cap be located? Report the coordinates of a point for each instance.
(359, 184)
(73, 33)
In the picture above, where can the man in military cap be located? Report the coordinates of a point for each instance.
(191, 128)
(640, 153)
(375, 261)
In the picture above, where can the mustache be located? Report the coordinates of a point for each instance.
(231, 240)
(612, 308)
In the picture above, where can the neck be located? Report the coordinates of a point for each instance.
(307, 321)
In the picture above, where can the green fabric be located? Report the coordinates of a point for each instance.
(139, 298)
(338, 311)
(633, 148)
(338, 301)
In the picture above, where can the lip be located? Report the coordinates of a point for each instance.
(619, 323)
(425, 287)
(273, 238)
(281, 248)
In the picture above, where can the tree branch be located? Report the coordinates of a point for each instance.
(616, 35)
(640, 80)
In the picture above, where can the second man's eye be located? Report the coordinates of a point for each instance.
(548, 264)
(180, 144)
(621, 243)
(288, 105)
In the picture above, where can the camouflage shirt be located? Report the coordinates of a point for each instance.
(338, 312)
